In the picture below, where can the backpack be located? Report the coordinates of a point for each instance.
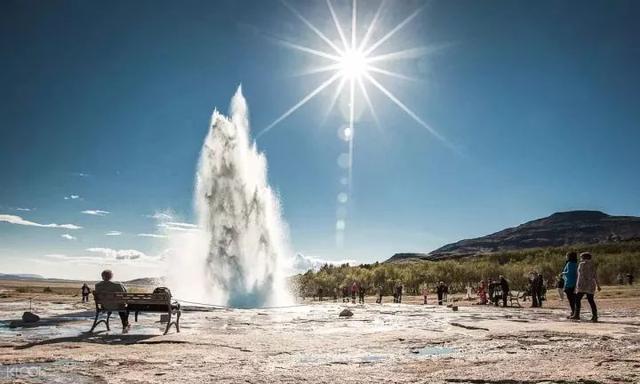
(162, 290)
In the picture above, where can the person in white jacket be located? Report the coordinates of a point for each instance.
(586, 286)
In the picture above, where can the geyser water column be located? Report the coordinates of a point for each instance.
(239, 216)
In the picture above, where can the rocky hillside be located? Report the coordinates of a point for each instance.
(559, 229)
(19, 276)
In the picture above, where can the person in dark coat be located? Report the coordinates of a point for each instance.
(379, 291)
(442, 290)
(399, 290)
(504, 287)
(108, 286)
(354, 291)
(540, 289)
(535, 288)
(85, 292)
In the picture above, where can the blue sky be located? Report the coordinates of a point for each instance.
(111, 101)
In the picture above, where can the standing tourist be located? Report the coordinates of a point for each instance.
(493, 292)
(542, 289)
(536, 287)
(85, 292)
(504, 286)
(425, 292)
(482, 292)
(586, 285)
(570, 276)
(442, 292)
(469, 292)
(354, 292)
(379, 299)
(399, 292)
(361, 292)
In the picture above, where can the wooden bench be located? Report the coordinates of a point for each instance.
(516, 296)
(135, 303)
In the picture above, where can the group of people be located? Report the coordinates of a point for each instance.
(352, 292)
(495, 291)
(620, 279)
(576, 281)
(580, 280)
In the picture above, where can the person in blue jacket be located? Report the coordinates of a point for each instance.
(570, 276)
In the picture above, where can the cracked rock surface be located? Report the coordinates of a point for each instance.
(390, 343)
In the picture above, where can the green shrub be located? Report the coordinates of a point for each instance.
(611, 259)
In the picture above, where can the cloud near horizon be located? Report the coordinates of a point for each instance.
(119, 254)
(154, 235)
(12, 219)
(113, 233)
(96, 212)
(72, 197)
(68, 237)
(302, 263)
(161, 216)
(104, 256)
(177, 226)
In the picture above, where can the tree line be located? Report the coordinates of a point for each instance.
(611, 259)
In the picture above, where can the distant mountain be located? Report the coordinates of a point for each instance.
(407, 257)
(559, 229)
(20, 276)
(155, 281)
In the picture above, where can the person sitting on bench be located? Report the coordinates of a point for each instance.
(106, 285)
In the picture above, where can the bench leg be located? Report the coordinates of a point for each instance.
(136, 316)
(178, 322)
(97, 322)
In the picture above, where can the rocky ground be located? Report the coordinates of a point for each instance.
(390, 343)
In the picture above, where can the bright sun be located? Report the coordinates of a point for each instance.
(353, 64)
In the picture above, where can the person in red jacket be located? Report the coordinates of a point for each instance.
(482, 292)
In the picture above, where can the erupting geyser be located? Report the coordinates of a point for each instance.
(242, 238)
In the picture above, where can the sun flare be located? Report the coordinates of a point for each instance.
(354, 64)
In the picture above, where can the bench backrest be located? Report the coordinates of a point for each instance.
(120, 300)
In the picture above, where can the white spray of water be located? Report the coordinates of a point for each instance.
(238, 255)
